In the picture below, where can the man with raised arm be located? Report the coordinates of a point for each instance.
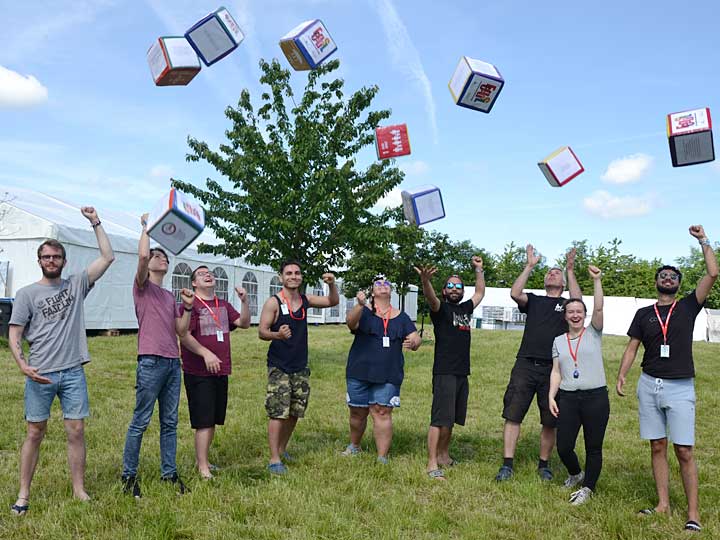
(50, 315)
(666, 388)
(451, 320)
(530, 376)
(283, 322)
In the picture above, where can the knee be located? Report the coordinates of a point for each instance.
(75, 431)
(380, 413)
(658, 446)
(36, 431)
(358, 414)
(684, 453)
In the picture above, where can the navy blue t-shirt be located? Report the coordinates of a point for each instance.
(368, 360)
(290, 355)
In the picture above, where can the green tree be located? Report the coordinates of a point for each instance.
(292, 188)
(509, 265)
(693, 269)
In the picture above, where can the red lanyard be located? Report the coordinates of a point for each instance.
(215, 316)
(290, 309)
(386, 321)
(664, 324)
(573, 355)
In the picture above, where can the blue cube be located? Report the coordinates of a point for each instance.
(215, 36)
(423, 205)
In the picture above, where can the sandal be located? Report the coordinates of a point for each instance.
(436, 474)
(693, 526)
(647, 512)
(20, 509)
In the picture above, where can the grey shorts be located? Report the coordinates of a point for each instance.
(667, 409)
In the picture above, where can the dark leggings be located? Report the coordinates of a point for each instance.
(591, 410)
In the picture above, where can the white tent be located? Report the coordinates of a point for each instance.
(29, 217)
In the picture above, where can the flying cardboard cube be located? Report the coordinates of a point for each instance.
(561, 166)
(176, 221)
(172, 61)
(392, 141)
(215, 36)
(423, 205)
(307, 45)
(690, 137)
(475, 84)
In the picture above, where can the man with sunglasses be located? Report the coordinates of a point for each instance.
(50, 315)
(666, 388)
(451, 320)
(283, 322)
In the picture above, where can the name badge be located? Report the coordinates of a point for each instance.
(284, 309)
(220, 336)
(386, 341)
(664, 351)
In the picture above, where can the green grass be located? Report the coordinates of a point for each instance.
(327, 496)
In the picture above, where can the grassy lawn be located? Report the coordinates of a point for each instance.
(331, 497)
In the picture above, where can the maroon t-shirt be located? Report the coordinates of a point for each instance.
(205, 321)
(156, 311)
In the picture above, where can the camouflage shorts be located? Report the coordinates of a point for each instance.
(287, 393)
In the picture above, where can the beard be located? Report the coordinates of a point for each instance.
(667, 290)
(51, 274)
(454, 299)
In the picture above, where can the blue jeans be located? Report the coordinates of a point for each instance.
(158, 379)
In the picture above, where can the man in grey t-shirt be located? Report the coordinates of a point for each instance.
(50, 315)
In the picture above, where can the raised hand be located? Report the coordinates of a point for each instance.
(90, 213)
(477, 262)
(532, 257)
(570, 260)
(187, 296)
(594, 272)
(328, 278)
(242, 294)
(425, 272)
(284, 332)
(144, 219)
(697, 231)
(361, 297)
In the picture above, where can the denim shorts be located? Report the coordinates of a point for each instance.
(364, 393)
(68, 384)
(667, 409)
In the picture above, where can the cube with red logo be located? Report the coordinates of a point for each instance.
(561, 166)
(392, 141)
(172, 61)
(690, 137)
(422, 204)
(307, 45)
(215, 36)
(176, 221)
(476, 84)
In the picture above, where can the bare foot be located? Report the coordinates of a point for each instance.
(81, 496)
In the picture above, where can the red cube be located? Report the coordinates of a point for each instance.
(392, 141)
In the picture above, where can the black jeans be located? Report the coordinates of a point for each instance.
(591, 410)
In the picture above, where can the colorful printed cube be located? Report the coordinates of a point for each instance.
(561, 166)
(215, 36)
(392, 141)
(176, 221)
(475, 84)
(423, 205)
(307, 45)
(172, 61)
(690, 137)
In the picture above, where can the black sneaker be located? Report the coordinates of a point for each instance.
(175, 479)
(131, 485)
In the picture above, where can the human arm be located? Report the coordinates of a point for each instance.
(412, 341)
(479, 294)
(243, 321)
(426, 272)
(516, 291)
(353, 317)
(597, 314)
(182, 323)
(333, 297)
(627, 361)
(555, 380)
(711, 265)
(268, 316)
(212, 362)
(573, 287)
(141, 274)
(15, 342)
(97, 268)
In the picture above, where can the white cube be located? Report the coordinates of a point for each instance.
(475, 84)
(215, 36)
(172, 61)
(690, 137)
(561, 166)
(423, 204)
(176, 221)
(307, 45)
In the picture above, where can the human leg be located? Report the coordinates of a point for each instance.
(568, 427)
(168, 404)
(382, 428)
(595, 413)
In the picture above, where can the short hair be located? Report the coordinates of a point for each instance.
(562, 271)
(194, 272)
(159, 250)
(668, 267)
(453, 276)
(53, 244)
(571, 300)
(289, 262)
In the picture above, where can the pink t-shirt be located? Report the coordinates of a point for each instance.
(156, 311)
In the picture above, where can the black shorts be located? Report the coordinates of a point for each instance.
(529, 378)
(450, 396)
(207, 400)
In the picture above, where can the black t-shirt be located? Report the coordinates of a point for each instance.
(452, 338)
(290, 355)
(646, 327)
(545, 320)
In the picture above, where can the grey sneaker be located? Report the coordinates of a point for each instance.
(574, 480)
(581, 496)
(351, 450)
(545, 474)
(382, 460)
(505, 473)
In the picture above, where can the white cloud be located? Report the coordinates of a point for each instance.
(18, 91)
(415, 168)
(161, 171)
(627, 169)
(405, 56)
(608, 206)
(390, 200)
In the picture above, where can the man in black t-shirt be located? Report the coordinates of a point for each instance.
(530, 376)
(451, 319)
(666, 388)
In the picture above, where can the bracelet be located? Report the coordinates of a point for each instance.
(96, 224)
(704, 242)
(187, 309)
(481, 271)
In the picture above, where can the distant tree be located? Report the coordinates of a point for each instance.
(693, 268)
(510, 263)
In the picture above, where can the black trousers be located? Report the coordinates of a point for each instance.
(589, 409)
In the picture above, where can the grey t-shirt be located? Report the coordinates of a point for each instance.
(54, 321)
(589, 361)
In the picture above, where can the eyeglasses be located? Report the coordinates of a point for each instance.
(51, 257)
(450, 285)
(385, 283)
(669, 275)
(203, 274)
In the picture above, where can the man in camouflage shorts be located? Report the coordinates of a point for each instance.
(287, 393)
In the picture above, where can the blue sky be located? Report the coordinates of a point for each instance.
(80, 117)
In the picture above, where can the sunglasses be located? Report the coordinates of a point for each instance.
(379, 283)
(450, 285)
(51, 257)
(669, 275)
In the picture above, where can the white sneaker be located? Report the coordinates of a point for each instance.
(574, 480)
(581, 496)
(351, 450)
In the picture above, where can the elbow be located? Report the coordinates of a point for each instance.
(245, 325)
(713, 274)
(109, 259)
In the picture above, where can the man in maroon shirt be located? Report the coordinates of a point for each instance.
(206, 360)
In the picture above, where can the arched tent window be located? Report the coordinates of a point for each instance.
(349, 304)
(221, 283)
(318, 290)
(275, 285)
(249, 282)
(180, 280)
